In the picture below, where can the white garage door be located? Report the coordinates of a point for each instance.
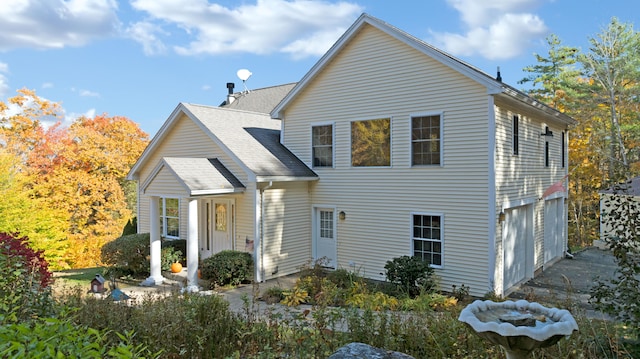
(517, 246)
(553, 229)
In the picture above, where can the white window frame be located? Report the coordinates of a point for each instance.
(441, 241)
(333, 143)
(382, 117)
(425, 114)
(164, 217)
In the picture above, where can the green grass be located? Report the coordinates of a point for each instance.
(74, 277)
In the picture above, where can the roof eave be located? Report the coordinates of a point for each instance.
(263, 179)
(217, 191)
(521, 97)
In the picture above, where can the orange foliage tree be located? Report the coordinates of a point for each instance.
(77, 170)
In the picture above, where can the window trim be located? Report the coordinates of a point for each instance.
(515, 135)
(373, 118)
(163, 218)
(333, 142)
(424, 114)
(442, 235)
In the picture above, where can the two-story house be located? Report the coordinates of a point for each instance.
(386, 147)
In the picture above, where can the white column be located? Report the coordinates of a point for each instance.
(192, 247)
(155, 244)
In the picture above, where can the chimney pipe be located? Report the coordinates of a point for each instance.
(499, 77)
(230, 97)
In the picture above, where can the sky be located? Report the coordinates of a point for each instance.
(141, 58)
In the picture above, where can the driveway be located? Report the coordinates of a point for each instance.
(568, 282)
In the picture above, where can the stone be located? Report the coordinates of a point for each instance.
(362, 351)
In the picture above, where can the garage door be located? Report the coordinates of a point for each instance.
(554, 229)
(517, 246)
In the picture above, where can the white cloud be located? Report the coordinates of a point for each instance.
(55, 23)
(145, 32)
(299, 27)
(496, 29)
(87, 93)
(47, 85)
(70, 117)
(4, 84)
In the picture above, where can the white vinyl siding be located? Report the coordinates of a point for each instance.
(287, 228)
(185, 139)
(526, 185)
(364, 82)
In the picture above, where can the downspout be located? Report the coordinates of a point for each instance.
(262, 228)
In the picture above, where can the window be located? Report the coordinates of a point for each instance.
(371, 143)
(425, 140)
(427, 238)
(515, 135)
(170, 217)
(322, 145)
(563, 149)
(221, 217)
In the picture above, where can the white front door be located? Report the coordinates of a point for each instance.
(218, 227)
(324, 236)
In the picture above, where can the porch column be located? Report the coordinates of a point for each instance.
(155, 244)
(192, 247)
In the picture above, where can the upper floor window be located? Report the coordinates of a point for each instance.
(546, 147)
(426, 141)
(371, 143)
(322, 145)
(427, 238)
(515, 135)
(170, 217)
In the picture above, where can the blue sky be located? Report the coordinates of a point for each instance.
(140, 58)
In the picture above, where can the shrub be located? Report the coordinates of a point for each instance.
(24, 281)
(410, 274)
(128, 254)
(228, 267)
(170, 255)
(177, 245)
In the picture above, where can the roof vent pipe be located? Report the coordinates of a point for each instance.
(499, 77)
(230, 97)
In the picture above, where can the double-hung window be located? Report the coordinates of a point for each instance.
(426, 140)
(322, 145)
(371, 143)
(427, 238)
(170, 217)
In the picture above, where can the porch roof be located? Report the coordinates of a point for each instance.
(203, 176)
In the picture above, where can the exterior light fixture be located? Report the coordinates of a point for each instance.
(501, 216)
(342, 215)
(547, 132)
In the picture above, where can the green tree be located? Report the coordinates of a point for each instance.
(556, 75)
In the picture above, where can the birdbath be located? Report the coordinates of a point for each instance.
(518, 327)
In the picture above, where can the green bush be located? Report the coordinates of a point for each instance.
(170, 255)
(128, 254)
(55, 338)
(228, 267)
(411, 275)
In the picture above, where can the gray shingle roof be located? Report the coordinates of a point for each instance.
(254, 139)
(261, 100)
(204, 176)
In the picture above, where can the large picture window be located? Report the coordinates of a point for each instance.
(322, 145)
(170, 217)
(427, 238)
(371, 143)
(426, 144)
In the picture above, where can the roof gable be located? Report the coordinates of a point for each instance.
(492, 85)
(251, 139)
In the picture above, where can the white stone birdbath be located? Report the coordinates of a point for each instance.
(519, 327)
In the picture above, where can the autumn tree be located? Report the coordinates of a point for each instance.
(83, 172)
(21, 212)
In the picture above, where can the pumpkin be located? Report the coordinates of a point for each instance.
(176, 267)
